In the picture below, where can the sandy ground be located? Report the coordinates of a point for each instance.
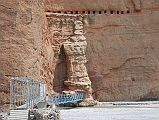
(114, 111)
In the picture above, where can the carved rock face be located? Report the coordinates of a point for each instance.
(78, 25)
(78, 32)
(76, 70)
(70, 46)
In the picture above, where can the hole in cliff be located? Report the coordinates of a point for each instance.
(76, 12)
(122, 12)
(89, 12)
(65, 12)
(71, 12)
(48, 11)
(111, 12)
(105, 11)
(133, 79)
(94, 12)
(100, 12)
(128, 11)
(60, 74)
(138, 10)
(117, 12)
(59, 12)
(83, 12)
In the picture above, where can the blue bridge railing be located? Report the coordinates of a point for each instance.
(66, 98)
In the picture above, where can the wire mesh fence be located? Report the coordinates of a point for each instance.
(25, 92)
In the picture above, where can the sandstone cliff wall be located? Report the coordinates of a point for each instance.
(83, 5)
(123, 56)
(122, 52)
(122, 48)
(21, 23)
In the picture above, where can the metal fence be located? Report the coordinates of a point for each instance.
(66, 98)
(25, 92)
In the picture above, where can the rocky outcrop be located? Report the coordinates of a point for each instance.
(46, 114)
(21, 25)
(77, 76)
(68, 43)
(122, 46)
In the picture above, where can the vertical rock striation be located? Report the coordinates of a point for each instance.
(21, 25)
(78, 79)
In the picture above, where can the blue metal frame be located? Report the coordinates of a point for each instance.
(66, 98)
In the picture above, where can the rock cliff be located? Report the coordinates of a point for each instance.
(122, 52)
(122, 46)
(21, 25)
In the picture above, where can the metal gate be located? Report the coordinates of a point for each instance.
(25, 92)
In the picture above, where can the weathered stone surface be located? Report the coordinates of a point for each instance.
(21, 23)
(123, 54)
(122, 48)
(76, 59)
(43, 114)
(80, 5)
(72, 45)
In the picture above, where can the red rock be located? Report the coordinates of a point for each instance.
(122, 50)
(21, 25)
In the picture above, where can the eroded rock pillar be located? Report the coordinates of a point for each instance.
(78, 79)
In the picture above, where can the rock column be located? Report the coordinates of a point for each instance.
(78, 79)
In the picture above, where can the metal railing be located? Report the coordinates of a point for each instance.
(25, 92)
(66, 98)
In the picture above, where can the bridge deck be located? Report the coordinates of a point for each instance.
(66, 98)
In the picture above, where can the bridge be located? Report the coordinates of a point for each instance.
(26, 93)
(66, 98)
